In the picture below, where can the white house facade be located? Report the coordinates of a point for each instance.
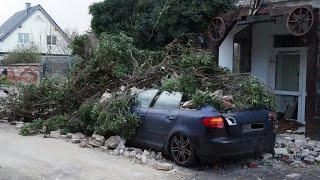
(277, 41)
(33, 26)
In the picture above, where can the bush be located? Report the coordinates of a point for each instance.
(58, 122)
(4, 81)
(23, 55)
(33, 102)
(32, 128)
(114, 117)
(82, 121)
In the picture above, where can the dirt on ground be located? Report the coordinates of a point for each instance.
(284, 125)
(33, 158)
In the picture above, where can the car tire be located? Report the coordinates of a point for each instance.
(182, 151)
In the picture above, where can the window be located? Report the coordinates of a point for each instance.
(23, 38)
(145, 98)
(168, 100)
(51, 40)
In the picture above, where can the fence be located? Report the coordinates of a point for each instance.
(53, 66)
(50, 66)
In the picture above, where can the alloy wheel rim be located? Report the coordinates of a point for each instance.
(181, 149)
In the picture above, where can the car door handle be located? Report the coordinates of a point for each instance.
(141, 115)
(170, 118)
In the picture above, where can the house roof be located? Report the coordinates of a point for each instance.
(20, 17)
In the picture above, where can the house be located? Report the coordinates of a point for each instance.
(278, 42)
(33, 26)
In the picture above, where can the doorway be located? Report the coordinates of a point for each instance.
(290, 83)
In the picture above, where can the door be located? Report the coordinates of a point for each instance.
(145, 99)
(289, 84)
(161, 117)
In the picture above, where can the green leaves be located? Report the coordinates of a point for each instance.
(23, 55)
(154, 23)
(200, 99)
(113, 117)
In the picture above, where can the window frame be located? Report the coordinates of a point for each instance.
(24, 35)
(51, 37)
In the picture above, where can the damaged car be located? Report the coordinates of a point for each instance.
(189, 135)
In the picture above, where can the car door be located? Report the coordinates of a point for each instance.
(161, 117)
(145, 99)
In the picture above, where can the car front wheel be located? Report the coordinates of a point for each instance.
(182, 151)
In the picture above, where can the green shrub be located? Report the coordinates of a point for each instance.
(57, 122)
(32, 128)
(23, 55)
(4, 81)
(114, 117)
(82, 121)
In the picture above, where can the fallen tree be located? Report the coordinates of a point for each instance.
(116, 63)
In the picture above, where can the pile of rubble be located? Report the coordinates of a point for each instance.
(296, 150)
(115, 145)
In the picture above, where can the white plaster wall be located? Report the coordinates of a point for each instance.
(226, 48)
(262, 48)
(38, 30)
(263, 57)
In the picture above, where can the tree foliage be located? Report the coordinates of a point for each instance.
(154, 23)
(116, 62)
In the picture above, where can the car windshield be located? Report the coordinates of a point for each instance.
(145, 98)
(168, 100)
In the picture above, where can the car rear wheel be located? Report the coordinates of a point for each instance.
(182, 151)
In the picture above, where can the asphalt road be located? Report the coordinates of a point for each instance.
(33, 158)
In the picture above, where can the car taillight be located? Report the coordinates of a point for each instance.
(213, 122)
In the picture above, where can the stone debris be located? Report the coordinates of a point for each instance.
(96, 140)
(309, 160)
(77, 136)
(296, 150)
(69, 135)
(280, 151)
(75, 141)
(105, 97)
(113, 142)
(20, 125)
(293, 176)
(44, 129)
(163, 166)
(4, 121)
(45, 135)
(63, 137)
(103, 149)
(252, 165)
(55, 134)
(83, 144)
(267, 156)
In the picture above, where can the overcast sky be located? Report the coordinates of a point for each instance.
(68, 14)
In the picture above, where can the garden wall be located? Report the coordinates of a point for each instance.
(23, 73)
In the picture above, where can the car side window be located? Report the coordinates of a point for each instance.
(168, 100)
(145, 98)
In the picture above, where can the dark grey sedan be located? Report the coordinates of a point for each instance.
(188, 135)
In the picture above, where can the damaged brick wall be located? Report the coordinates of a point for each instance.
(24, 73)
